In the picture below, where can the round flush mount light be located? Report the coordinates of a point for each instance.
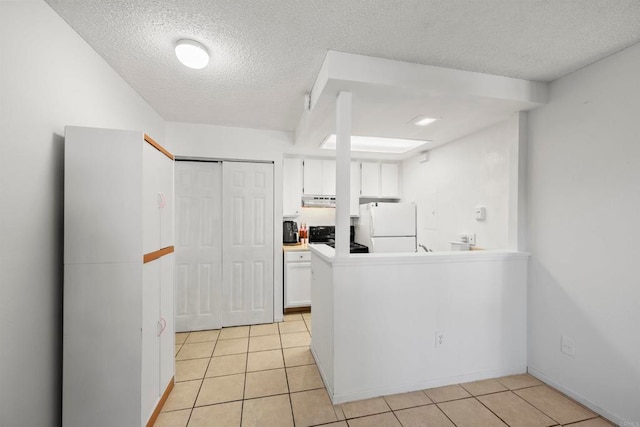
(192, 54)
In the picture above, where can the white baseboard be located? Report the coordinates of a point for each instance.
(581, 399)
(405, 388)
(327, 384)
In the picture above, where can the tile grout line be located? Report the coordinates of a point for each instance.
(202, 380)
(444, 413)
(531, 403)
(196, 398)
(490, 410)
(289, 392)
(246, 367)
(525, 401)
(286, 375)
(394, 413)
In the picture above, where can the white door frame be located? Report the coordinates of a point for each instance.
(278, 310)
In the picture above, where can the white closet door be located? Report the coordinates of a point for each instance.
(248, 243)
(198, 210)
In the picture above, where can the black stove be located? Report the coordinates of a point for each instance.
(327, 234)
(354, 248)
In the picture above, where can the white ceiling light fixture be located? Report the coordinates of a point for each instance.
(192, 54)
(423, 120)
(373, 144)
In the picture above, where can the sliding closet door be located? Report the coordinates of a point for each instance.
(248, 243)
(198, 210)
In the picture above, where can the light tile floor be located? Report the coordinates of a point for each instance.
(265, 376)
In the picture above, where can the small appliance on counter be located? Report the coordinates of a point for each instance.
(327, 234)
(290, 233)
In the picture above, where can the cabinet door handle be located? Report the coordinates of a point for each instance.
(162, 200)
(162, 325)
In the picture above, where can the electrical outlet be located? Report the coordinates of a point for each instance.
(567, 346)
(472, 239)
(440, 338)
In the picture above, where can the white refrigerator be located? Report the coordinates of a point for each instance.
(387, 227)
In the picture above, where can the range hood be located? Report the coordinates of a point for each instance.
(319, 201)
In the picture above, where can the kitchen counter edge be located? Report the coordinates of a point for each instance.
(328, 254)
(295, 248)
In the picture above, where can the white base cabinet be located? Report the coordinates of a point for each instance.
(118, 333)
(297, 279)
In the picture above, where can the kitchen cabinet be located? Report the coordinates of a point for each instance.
(370, 179)
(291, 187)
(118, 330)
(380, 180)
(389, 182)
(319, 177)
(297, 279)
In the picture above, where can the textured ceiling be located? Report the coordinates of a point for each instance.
(266, 54)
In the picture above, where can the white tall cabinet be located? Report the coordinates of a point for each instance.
(118, 332)
(291, 187)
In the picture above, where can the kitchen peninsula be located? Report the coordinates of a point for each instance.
(393, 323)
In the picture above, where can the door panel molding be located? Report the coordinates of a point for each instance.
(248, 257)
(198, 188)
(224, 267)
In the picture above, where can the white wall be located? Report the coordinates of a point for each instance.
(471, 171)
(584, 229)
(375, 332)
(49, 78)
(317, 216)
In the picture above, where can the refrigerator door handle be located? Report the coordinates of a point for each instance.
(372, 222)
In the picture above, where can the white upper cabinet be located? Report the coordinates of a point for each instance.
(319, 177)
(312, 176)
(291, 187)
(380, 180)
(389, 182)
(329, 177)
(370, 180)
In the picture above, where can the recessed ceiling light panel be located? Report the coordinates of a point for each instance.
(192, 54)
(423, 120)
(374, 144)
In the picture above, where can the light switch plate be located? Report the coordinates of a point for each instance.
(568, 346)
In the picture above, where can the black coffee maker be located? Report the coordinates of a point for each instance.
(289, 232)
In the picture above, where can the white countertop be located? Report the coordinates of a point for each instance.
(328, 254)
(295, 248)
